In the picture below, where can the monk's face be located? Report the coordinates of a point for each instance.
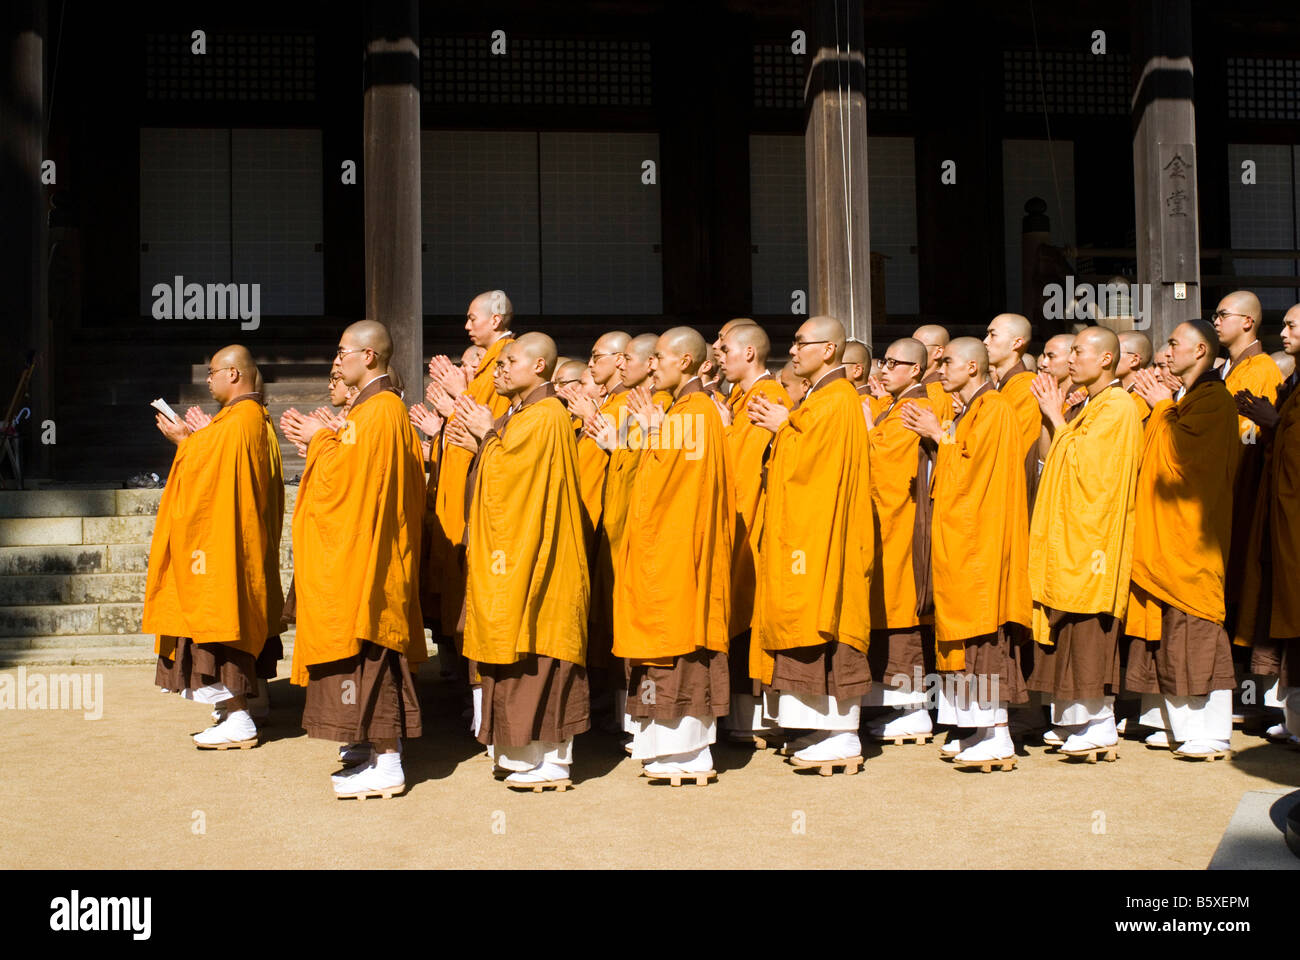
(481, 324)
(221, 380)
(1087, 361)
(999, 341)
(633, 368)
(1056, 359)
(735, 358)
(520, 373)
(877, 367)
(603, 363)
(1184, 351)
(899, 374)
(1291, 331)
(338, 389)
(1229, 323)
(715, 349)
(808, 353)
(471, 358)
(954, 374)
(588, 387)
(667, 367)
(794, 385)
(351, 360)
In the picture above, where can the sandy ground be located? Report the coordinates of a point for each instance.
(130, 790)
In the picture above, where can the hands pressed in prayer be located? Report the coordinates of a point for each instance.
(724, 412)
(438, 398)
(477, 419)
(1050, 398)
(452, 378)
(876, 388)
(196, 419)
(641, 405)
(921, 421)
(328, 417)
(425, 420)
(298, 429)
(1171, 381)
(458, 435)
(866, 413)
(173, 431)
(768, 415)
(580, 405)
(1076, 396)
(1258, 409)
(1148, 385)
(601, 429)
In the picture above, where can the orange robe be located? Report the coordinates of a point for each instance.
(1257, 372)
(749, 445)
(816, 554)
(207, 576)
(274, 528)
(1081, 535)
(672, 586)
(979, 546)
(356, 538)
(1184, 508)
(940, 400)
(896, 484)
(444, 576)
(592, 465)
(1281, 527)
(1143, 409)
(527, 589)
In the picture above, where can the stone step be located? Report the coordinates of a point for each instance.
(101, 651)
(59, 503)
(76, 588)
(41, 531)
(70, 619)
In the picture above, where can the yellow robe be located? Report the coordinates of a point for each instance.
(749, 446)
(274, 528)
(816, 551)
(207, 576)
(1143, 409)
(527, 589)
(672, 582)
(356, 538)
(1029, 418)
(1184, 508)
(1081, 535)
(940, 401)
(895, 459)
(979, 540)
(592, 465)
(444, 578)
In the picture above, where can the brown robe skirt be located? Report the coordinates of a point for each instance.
(696, 685)
(892, 652)
(193, 665)
(268, 660)
(995, 657)
(830, 668)
(369, 696)
(1191, 659)
(1083, 664)
(536, 698)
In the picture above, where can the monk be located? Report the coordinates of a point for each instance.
(796, 387)
(487, 321)
(816, 556)
(1269, 612)
(979, 554)
(527, 589)
(592, 461)
(1006, 340)
(622, 451)
(857, 365)
(1248, 368)
(935, 339)
(1285, 362)
(569, 374)
(715, 380)
(672, 588)
(744, 364)
(1081, 547)
(1181, 656)
(1135, 352)
(210, 589)
(902, 635)
(356, 536)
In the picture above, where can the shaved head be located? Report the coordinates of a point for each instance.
(570, 371)
(537, 346)
(969, 350)
(527, 364)
(1104, 340)
(232, 373)
(908, 358)
(685, 342)
(1192, 348)
(932, 335)
(855, 352)
(604, 359)
(1237, 320)
(1056, 356)
(744, 353)
(964, 367)
(1137, 343)
(677, 357)
(612, 342)
(819, 346)
(751, 335)
(371, 335)
(909, 349)
(733, 324)
(1007, 338)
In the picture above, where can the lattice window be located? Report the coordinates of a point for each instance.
(1262, 88)
(536, 70)
(239, 67)
(779, 78)
(1073, 82)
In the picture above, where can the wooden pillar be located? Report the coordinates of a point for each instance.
(835, 142)
(23, 314)
(391, 132)
(1164, 164)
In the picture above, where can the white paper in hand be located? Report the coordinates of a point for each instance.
(162, 407)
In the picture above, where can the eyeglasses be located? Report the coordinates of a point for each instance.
(1221, 314)
(565, 383)
(344, 351)
(889, 363)
(213, 373)
(799, 344)
(602, 356)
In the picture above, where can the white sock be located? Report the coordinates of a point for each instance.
(389, 762)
